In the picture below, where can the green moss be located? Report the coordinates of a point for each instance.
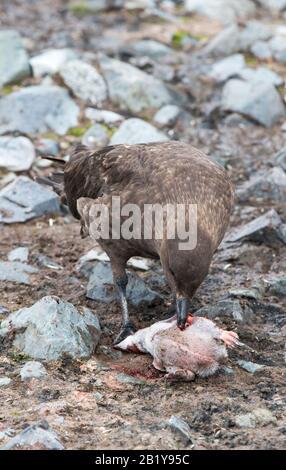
(184, 18)
(179, 36)
(250, 59)
(82, 8)
(18, 356)
(109, 130)
(77, 131)
(50, 135)
(7, 89)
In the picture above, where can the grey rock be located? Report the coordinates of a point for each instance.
(234, 39)
(258, 417)
(84, 81)
(277, 5)
(134, 90)
(7, 178)
(181, 427)
(3, 310)
(52, 328)
(142, 264)
(16, 153)
(278, 47)
(225, 11)
(95, 136)
(236, 120)
(168, 115)
(265, 229)
(255, 99)
(37, 109)
(256, 293)
(47, 147)
(226, 370)
(129, 379)
(38, 200)
(20, 253)
(254, 31)
(100, 287)
(111, 353)
(14, 271)
(9, 432)
(282, 233)
(85, 266)
(227, 68)
(277, 285)
(250, 367)
(33, 370)
(261, 74)
(98, 396)
(137, 131)
(141, 4)
(225, 42)
(14, 61)
(35, 435)
(85, 263)
(227, 308)
(261, 50)
(106, 117)
(5, 381)
(47, 262)
(280, 158)
(270, 185)
(149, 48)
(51, 61)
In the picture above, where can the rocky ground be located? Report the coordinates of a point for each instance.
(209, 73)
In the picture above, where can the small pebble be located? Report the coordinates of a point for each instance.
(4, 381)
(250, 367)
(19, 254)
(32, 370)
(129, 379)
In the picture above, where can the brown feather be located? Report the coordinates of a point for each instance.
(164, 172)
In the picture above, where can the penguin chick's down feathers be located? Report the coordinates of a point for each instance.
(198, 350)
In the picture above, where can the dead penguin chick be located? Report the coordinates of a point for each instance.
(200, 349)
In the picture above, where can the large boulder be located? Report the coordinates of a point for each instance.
(277, 5)
(14, 61)
(52, 328)
(270, 185)
(149, 48)
(38, 436)
(225, 11)
(255, 99)
(137, 131)
(51, 61)
(235, 39)
(24, 199)
(267, 228)
(84, 81)
(134, 90)
(101, 287)
(278, 48)
(15, 271)
(16, 153)
(227, 68)
(261, 74)
(38, 109)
